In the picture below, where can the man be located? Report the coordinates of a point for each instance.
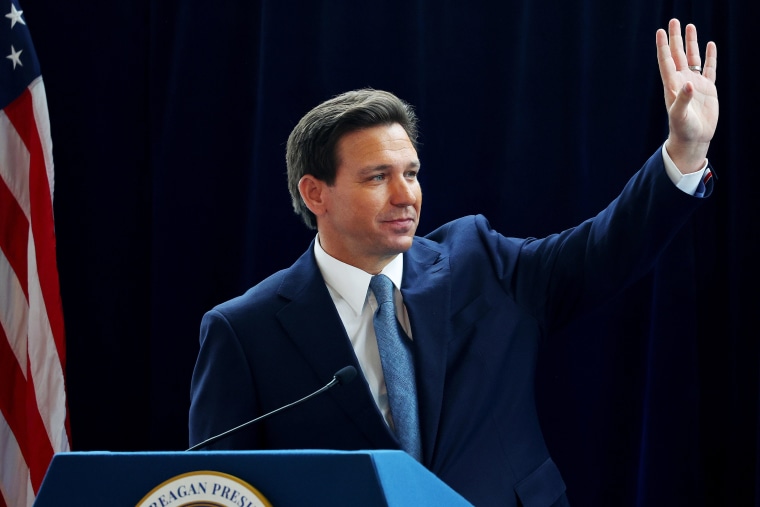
(472, 304)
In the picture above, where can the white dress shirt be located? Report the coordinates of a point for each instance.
(356, 305)
(686, 182)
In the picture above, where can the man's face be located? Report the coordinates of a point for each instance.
(371, 212)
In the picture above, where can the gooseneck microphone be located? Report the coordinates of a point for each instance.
(342, 377)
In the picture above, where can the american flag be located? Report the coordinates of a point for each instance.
(33, 410)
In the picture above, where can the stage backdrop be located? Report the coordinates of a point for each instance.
(169, 121)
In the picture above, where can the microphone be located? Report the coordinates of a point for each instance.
(342, 377)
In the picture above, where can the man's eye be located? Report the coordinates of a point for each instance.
(378, 177)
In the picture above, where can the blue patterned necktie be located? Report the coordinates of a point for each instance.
(398, 367)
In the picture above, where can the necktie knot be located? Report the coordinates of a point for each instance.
(382, 287)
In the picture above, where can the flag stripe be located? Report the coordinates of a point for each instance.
(14, 474)
(14, 163)
(14, 312)
(22, 417)
(39, 446)
(14, 234)
(46, 370)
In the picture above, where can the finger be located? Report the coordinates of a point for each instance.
(692, 47)
(676, 44)
(664, 58)
(711, 61)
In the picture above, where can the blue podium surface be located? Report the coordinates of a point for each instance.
(310, 478)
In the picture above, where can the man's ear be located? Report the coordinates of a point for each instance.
(313, 193)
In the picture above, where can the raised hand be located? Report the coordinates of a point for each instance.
(690, 94)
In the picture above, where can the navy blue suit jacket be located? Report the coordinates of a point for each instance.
(478, 303)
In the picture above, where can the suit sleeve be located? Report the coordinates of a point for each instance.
(562, 275)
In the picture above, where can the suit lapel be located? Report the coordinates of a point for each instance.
(426, 289)
(313, 324)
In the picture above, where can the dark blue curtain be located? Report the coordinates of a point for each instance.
(169, 120)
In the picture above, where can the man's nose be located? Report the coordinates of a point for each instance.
(403, 192)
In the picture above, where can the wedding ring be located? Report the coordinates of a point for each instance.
(695, 68)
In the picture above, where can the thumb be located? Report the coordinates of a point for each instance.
(678, 109)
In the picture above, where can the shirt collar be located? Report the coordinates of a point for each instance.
(350, 282)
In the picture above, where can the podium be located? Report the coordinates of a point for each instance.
(311, 478)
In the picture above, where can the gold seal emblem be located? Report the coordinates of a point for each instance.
(204, 489)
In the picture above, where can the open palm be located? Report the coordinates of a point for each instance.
(690, 95)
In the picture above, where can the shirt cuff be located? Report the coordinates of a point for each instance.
(686, 182)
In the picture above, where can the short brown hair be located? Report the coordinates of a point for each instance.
(312, 143)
